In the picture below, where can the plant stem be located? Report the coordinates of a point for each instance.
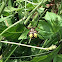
(32, 12)
(49, 48)
(32, 3)
(12, 26)
(3, 6)
(33, 19)
(23, 18)
(12, 52)
(25, 7)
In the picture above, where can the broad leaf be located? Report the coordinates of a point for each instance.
(5, 18)
(51, 16)
(40, 10)
(11, 9)
(13, 33)
(46, 58)
(24, 35)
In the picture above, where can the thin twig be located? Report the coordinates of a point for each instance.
(12, 51)
(3, 6)
(33, 12)
(12, 26)
(7, 23)
(22, 45)
(23, 18)
(29, 55)
(32, 3)
(49, 48)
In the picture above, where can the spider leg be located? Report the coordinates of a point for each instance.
(26, 26)
(38, 20)
(40, 16)
(42, 36)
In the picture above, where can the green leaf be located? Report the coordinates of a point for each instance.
(40, 10)
(43, 25)
(53, 21)
(19, 0)
(51, 16)
(35, 1)
(54, 38)
(11, 9)
(24, 35)
(59, 58)
(13, 33)
(47, 58)
(2, 27)
(44, 29)
(44, 34)
(29, 7)
(38, 59)
(55, 58)
(8, 21)
(5, 18)
(40, 36)
(34, 23)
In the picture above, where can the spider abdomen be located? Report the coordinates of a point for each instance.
(33, 33)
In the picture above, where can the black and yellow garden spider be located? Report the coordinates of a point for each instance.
(33, 33)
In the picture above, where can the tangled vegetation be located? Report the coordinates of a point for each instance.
(30, 31)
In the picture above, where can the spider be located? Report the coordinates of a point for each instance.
(33, 33)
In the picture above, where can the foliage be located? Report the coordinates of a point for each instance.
(17, 17)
